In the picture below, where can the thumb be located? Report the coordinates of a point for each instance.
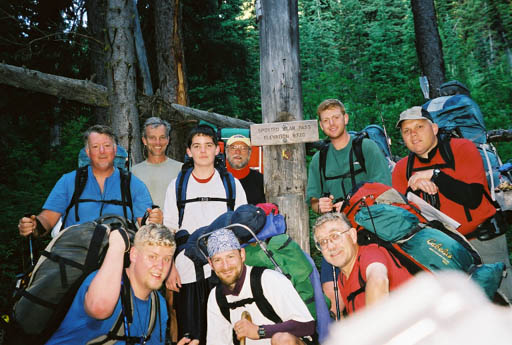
(33, 217)
(331, 197)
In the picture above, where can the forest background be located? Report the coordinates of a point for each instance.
(361, 52)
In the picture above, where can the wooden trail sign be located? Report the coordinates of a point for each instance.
(281, 133)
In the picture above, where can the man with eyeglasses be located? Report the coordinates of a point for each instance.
(368, 273)
(102, 191)
(238, 153)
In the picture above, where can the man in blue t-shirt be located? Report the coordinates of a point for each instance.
(101, 194)
(97, 304)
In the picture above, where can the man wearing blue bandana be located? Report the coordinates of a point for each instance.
(235, 310)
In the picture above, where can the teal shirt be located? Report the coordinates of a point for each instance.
(338, 163)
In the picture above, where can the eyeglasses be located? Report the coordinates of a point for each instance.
(334, 237)
(242, 148)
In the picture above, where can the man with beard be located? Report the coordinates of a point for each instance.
(238, 153)
(368, 273)
(158, 170)
(97, 305)
(236, 295)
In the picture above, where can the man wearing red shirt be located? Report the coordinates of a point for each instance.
(451, 177)
(368, 273)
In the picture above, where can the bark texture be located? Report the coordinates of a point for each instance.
(281, 98)
(170, 58)
(96, 26)
(121, 76)
(428, 44)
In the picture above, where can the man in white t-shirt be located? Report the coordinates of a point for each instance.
(204, 197)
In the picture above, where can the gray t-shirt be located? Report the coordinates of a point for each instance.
(157, 177)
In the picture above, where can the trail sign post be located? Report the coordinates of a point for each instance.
(282, 133)
(281, 100)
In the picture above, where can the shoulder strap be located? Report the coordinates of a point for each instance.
(322, 162)
(229, 186)
(81, 176)
(261, 301)
(410, 165)
(181, 192)
(126, 195)
(357, 147)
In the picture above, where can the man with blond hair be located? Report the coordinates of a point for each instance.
(335, 169)
(97, 305)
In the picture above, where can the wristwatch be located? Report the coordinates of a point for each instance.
(435, 174)
(261, 332)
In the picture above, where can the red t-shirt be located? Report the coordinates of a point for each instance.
(469, 168)
(367, 255)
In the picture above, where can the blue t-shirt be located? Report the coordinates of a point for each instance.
(79, 328)
(61, 195)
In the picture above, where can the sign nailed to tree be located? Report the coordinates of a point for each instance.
(280, 133)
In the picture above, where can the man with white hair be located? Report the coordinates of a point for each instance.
(277, 314)
(238, 153)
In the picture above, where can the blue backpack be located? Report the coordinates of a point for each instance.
(459, 116)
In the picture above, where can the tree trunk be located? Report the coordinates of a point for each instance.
(170, 59)
(428, 44)
(142, 57)
(121, 77)
(96, 25)
(281, 98)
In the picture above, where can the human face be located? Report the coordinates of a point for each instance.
(340, 251)
(333, 122)
(101, 150)
(419, 136)
(156, 141)
(203, 151)
(238, 155)
(228, 266)
(151, 264)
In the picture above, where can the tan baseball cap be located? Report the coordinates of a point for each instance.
(239, 137)
(414, 113)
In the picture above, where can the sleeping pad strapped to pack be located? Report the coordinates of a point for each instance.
(384, 216)
(67, 260)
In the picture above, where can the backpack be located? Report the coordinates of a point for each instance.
(459, 116)
(383, 216)
(371, 132)
(182, 181)
(80, 182)
(273, 249)
(68, 259)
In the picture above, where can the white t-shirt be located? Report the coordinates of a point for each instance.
(279, 292)
(197, 214)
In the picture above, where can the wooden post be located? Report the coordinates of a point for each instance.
(281, 100)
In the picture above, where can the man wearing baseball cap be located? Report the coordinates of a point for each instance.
(449, 174)
(238, 153)
(233, 299)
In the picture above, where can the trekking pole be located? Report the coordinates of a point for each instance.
(246, 316)
(336, 296)
(388, 140)
(30, 244)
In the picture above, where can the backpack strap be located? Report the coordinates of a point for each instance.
(125, 317)
(258, 297)
(181, 191)
(81, 176)
(351, 298)
(322, 163)
(126, 195)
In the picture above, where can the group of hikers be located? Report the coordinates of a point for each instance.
(167, 200)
